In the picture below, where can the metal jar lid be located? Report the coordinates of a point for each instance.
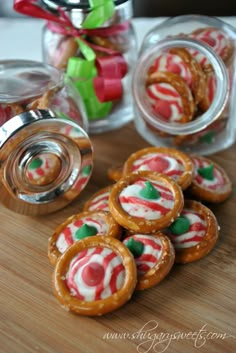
(77, 10)
(45, 162)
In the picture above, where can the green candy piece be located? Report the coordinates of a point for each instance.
(207, 172)
(149, 192)
(94, 108)
(136, 247)
(87, 170)
(85, 231)
(36, 163)
(180, 226)
(208, 137)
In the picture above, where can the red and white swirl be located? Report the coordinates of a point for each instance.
(168, 62)
(152, 253)
(67, 236)
(95, 274)
(217, 183)
(165, 101)
(161, 163)
(100, 202)
(137, 206)
(194, 235)
(215, 38)
(199, 57)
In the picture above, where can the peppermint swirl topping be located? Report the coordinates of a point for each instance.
(136, 205)
(100, 202)
(195, 233)
(95, 273)
(216, 182)
(159, 162)
(151, 254)
(69, 234)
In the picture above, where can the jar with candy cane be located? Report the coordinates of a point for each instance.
(94, 42)
(46, 156)
(184, 84)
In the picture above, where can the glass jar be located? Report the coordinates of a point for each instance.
(46, 157)
(184, 85)
(102, 73)
(27, 84)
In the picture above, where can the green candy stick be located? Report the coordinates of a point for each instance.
(101, 12)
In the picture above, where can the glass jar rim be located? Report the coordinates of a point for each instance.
(78, 12)
(220, 98)
(203, 19)
(18, 70)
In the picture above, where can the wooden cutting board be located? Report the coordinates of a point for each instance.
(192, 310)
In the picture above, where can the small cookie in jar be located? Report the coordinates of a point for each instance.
(170, 97)
(218, 40)
(180, 62)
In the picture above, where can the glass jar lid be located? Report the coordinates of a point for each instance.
(24, 79)
(78, 4)
(77, 10)
(45, 162)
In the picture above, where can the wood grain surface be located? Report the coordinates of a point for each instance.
(192, 310)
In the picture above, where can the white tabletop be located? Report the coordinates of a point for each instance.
(21, 37)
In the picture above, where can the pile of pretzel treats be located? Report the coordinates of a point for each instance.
(132, 232)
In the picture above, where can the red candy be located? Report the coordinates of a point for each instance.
(93, 274)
